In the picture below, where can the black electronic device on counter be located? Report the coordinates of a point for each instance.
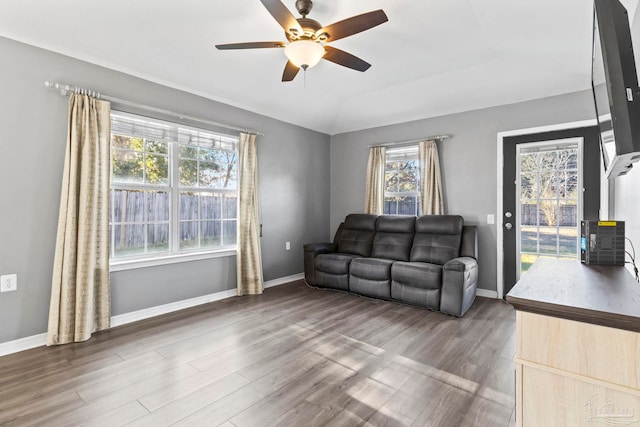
(602, 242)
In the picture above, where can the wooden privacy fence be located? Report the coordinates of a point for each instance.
(539, 214)
(203, 215)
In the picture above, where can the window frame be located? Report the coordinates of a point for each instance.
(405, 153)
(174, 254)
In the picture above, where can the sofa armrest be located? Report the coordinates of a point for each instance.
(311, 250)
(459, 282)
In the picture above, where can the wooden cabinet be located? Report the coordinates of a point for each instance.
(577, 365)
(571, 373)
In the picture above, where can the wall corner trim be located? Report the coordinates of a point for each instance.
(39, 340)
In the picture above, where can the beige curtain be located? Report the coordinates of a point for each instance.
(374, 192)
(80, 298)
(249, 260)
(430, 186)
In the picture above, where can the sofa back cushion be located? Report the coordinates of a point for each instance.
(356, 235)
(336, 238)
(469, 244)
(394, 237)
(437, 238)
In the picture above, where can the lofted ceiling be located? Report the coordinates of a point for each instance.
(432, 58)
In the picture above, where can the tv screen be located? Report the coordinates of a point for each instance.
(615, 87)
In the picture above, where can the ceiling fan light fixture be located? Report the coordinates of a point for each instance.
(304, 53)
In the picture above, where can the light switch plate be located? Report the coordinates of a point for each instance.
(491, 219)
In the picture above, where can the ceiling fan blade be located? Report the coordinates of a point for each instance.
(250, 45)
(345, 59)
(281, 14)
(290, 72)
(353, 25)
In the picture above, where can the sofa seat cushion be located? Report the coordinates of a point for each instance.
(371, 268)
(371, 277)
(332, 270)
(335, 263)
(417, 274)
(417, 283)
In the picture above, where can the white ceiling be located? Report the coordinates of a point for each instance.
(432, 58)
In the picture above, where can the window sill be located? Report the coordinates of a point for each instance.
(165, 260)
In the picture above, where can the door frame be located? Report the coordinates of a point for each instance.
(499, 192)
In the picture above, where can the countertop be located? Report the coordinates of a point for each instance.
(598, 294)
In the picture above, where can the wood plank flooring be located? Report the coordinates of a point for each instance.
(294, 356)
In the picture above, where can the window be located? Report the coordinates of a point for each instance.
(401, 193)
(549, 205)
(174, 189)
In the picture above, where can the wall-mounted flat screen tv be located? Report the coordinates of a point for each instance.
(614, 83)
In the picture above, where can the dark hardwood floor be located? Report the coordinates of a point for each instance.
(294, 356)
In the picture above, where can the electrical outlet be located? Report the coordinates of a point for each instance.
(8, 283)
(287, 246)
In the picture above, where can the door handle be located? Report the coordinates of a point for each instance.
(507, 214)
(508, 225)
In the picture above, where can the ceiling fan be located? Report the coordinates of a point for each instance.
(307, 38)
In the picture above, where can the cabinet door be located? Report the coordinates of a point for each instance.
(550, 399)
(593, 351)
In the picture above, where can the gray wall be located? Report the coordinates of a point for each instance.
(293, 164)
(467, 161)
(626, 207)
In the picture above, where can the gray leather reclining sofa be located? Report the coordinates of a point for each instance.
(429, 261)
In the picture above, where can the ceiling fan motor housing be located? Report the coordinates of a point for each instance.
(304, 7)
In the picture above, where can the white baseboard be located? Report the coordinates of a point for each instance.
(22, 344)
(147, 313)
(486, 293)
(134, 316)
(34, 341)
(283, 280)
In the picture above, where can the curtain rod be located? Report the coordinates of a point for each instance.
(412, 141)
(65, 89)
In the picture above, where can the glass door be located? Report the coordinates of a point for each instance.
(549, 209)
